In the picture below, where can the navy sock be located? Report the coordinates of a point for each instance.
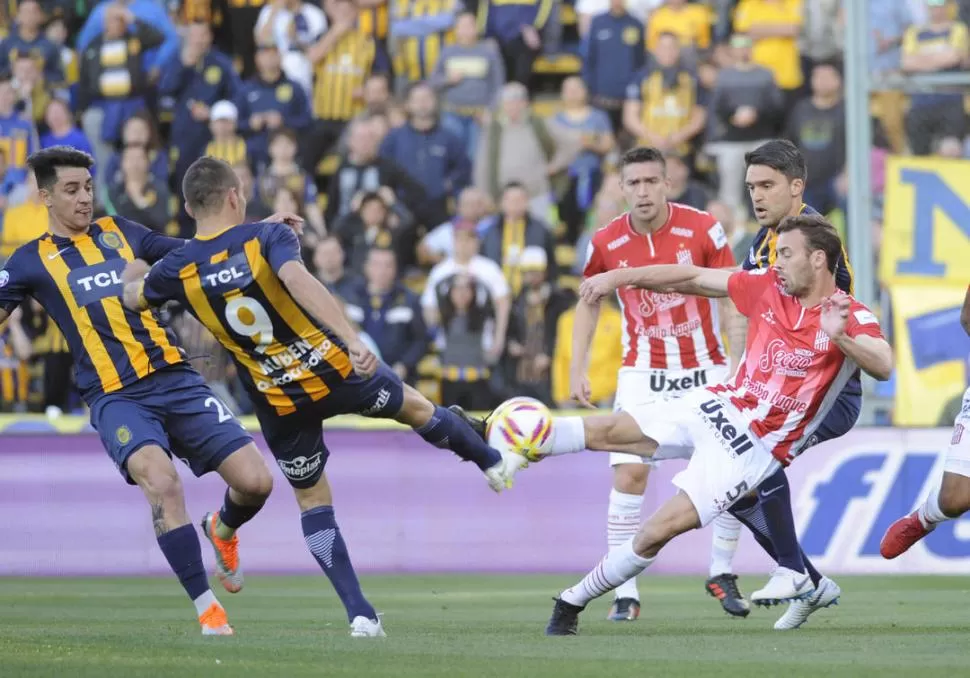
(235, 515)
(323, 538)
(751, 516)
(184, 555)
(447, 429)
(774, 498)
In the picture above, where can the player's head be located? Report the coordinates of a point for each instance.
(515, 201)
(643, 178)
(808, 247)
(775, 179)
(211, 188)
(63, 176)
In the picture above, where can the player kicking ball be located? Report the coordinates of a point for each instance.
(739, 434)
(949, 499)
(298, 356)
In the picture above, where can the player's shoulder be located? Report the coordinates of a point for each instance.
(696, 224)
(25, 255)
(861, 313)
(126, 226)
(681, 214)
(609, 237)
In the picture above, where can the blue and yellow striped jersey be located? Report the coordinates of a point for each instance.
(229, 282)
(78, 282)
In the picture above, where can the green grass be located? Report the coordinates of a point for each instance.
(473, 626)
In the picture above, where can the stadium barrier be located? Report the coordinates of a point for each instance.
(406, 507)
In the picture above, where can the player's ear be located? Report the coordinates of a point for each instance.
(797, 187)
(188, 210)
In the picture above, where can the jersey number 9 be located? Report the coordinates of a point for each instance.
(248, 318)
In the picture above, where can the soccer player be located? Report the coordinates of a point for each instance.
(146, 401)
(805, 341)
(298, 356)
(949, 499)
(671, 343)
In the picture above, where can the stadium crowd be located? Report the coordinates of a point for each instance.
(451, 159)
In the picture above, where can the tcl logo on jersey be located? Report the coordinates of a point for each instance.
(654, 302)
(777, 358)
(232, 274)
(91, 284)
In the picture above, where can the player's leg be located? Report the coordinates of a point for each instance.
(722, 583)
(630, 474)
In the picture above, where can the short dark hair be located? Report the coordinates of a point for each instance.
(283, 132)
(642, 154)
(780, 155)
(206, 183)
(44, 163)
(510, 185)
(819, 235)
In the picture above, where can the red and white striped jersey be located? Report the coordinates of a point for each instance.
(792, 373)
(665, 330)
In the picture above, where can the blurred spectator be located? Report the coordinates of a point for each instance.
(255, 209)
(226, 143)
(267, 102)
(823, 31)
(343, 59)
(774, 26)
(241, 17)
(377, 101)
(61, 128)
(294, 26)
(433, 156)
(683, 188)
(516, 27)
(378, 219)
(739, 238)
(24, 222)
(583, 137)
(32, 92)
(136, 194)
(151, 12)
(52, 366)
(469, 77)
(361, 169)
(419, 31)
(604, 359)
(196, 78)
(18, 138)
(516, 146)
(587, 10)
(374, 21)
(468, 330)
(11, 192)
(328, 266)
(15, 351)
(473, 206)
(614, 52)
(938, 46)
(57, 34)
(284, 171)
(817, 126)
(747, 109)
(27, 38)
(532, 327)
(607, 206)
(950, 147)
(664, 107)
(113, 83)
(389, 312)
(512, 231)
(888, 21)
(690, 22)
(140, 130)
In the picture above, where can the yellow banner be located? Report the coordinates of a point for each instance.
(926, 230)
(931, 351)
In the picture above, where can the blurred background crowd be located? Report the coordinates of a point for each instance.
(451, 158)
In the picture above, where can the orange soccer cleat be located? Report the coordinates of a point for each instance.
(214, 621)
(227, 555)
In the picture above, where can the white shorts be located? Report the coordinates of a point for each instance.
(726, 461)
(958, 453)
(638, 388)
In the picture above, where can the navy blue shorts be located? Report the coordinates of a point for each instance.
(296, 440)
(174, 409)
(839, 421)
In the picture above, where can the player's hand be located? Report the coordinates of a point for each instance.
(835, 315)
(581, 392)
(596, 287)
(294, 221)
(135, 270)
(363, 360)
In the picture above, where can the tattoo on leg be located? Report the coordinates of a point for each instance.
(158, 519)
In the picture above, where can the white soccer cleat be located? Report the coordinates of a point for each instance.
(826, 594)
(362, 627)
(785, 585)
(500, 476)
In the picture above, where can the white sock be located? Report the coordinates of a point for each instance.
(930, 513)
(622, 524)
(568, 435)
(727, 531)
(203, 602)
(620, 564)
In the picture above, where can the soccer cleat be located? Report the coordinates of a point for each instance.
(227, 555)
(724, 587)
(826, 594)
(901, 535)
(564, 620)
(478, 425)
(214, 621)
(362, 627)
(785, 585)
(624, 609)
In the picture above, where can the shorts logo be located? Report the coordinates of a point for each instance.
(722, 505)
(383, 397)
(660, 383)
(300, 467)
(957, 434)
(737, 440)
(123, 434)
(110, 240)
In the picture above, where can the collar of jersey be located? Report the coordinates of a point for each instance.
(213, 236)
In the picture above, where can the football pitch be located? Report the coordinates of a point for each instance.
(474, 626)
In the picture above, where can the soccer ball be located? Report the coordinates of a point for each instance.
(521, 425)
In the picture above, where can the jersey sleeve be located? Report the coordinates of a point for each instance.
(281, 245)
(595, 261)
(163, 282)
(14, 282)
(862, 321)
(717, 248)
(145, 243)
(747, 288)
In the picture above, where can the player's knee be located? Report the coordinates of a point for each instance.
(159, 481)
(257, 483)
(599, 431)
(955, 495)
(630, 478)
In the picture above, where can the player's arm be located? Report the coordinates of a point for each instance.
(311, 294)
(150, 286)
(965, 313)
(703, 282)
(873, 355)
(858, 336)
(14, 285)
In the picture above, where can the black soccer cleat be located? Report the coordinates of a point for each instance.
(724, 587)
(624, 609)
(564, 620)
(478, 425)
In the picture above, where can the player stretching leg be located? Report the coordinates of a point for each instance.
(146, 402)
(949, 499)
(736, 435)
(298, 357)
(671, 343)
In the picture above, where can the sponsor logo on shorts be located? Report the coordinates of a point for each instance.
(123, 435)
(661, 383)
(619, 242)
(778, 359)
(732, 496)
(713, 414)
(300, 467)
(383, 396)
(957, 434)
